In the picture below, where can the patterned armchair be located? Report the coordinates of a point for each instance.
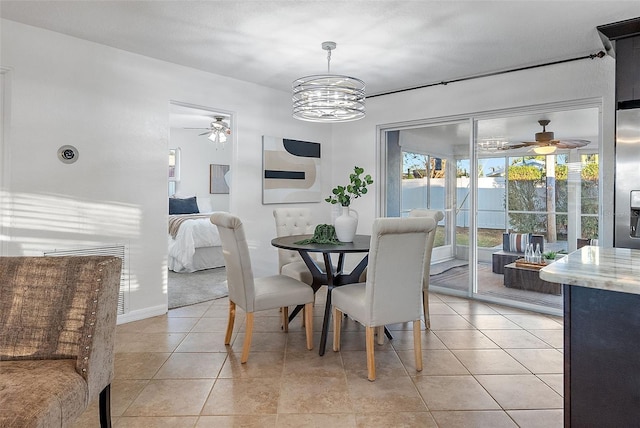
(57, 328)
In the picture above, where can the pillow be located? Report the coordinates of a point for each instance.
(183, 206)
(204, 205)
(516, 242)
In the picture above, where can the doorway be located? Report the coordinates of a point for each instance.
(199, 182)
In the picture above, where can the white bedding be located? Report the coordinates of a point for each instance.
(192, 234)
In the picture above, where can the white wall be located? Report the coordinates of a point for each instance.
(114, 107)
(579, 80)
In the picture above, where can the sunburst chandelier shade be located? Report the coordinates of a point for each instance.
(328, 97)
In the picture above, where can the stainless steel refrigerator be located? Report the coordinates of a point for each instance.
(627, 181)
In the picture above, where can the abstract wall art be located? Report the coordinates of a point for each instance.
(291, 171)
(218, 179)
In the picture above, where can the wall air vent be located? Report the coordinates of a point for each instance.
(117, 250)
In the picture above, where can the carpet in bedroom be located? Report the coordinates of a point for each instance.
(191, 288)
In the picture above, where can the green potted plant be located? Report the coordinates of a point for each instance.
(358, 186)
(346, 224)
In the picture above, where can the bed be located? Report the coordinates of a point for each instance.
(194, 243)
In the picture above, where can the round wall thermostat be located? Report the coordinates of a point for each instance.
(68, 154)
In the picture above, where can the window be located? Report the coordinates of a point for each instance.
(174, 170)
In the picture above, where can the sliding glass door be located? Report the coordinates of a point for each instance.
(422, 171)
(495, 183)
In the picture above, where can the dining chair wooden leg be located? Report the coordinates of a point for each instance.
(425, 308)
(308, 324)
(230, 322)
(380, 333)
(285, 318)
(417, 344)
(247, 338)
(371, 362)
(337, 325)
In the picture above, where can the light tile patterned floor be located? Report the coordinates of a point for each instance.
(484, 366)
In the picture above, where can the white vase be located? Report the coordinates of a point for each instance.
(346, 225)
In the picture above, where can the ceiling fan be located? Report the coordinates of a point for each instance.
(217, 131)
(545, 142)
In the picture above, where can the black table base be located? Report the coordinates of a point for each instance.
(329, 277)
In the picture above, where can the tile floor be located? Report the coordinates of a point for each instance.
(484, 366)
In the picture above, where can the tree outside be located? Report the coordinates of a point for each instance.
(531, 188)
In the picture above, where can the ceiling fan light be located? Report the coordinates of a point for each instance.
(217, 136)
(544, 150)
(218, 130)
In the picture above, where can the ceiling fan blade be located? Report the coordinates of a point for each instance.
(512, 146)
(570, 144)
(205, 133)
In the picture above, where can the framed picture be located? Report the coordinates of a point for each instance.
(291, 171)
(218, 178)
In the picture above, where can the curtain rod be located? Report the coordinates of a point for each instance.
(599, 54)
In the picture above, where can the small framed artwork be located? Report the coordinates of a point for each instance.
(218, 179)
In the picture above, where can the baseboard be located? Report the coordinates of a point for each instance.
(141, 314)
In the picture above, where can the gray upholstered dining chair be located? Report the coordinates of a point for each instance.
(294, 221)
(57, 337)
(392, 291)
(437, 216)
(256, 294)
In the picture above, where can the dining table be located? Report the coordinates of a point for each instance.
(333, 275)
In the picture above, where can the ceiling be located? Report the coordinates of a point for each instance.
(391, 45)
(187, 116)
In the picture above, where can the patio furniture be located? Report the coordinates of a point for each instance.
(528, 278)
(513, 246)
(581, 242)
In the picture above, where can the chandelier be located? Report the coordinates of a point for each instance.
(328, 97)
(218, 130)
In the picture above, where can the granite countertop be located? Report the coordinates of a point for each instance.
(613, 269)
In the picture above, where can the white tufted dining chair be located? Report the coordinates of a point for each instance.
(391, 293)
(256, 294)
(437, 216)
(294, 221)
